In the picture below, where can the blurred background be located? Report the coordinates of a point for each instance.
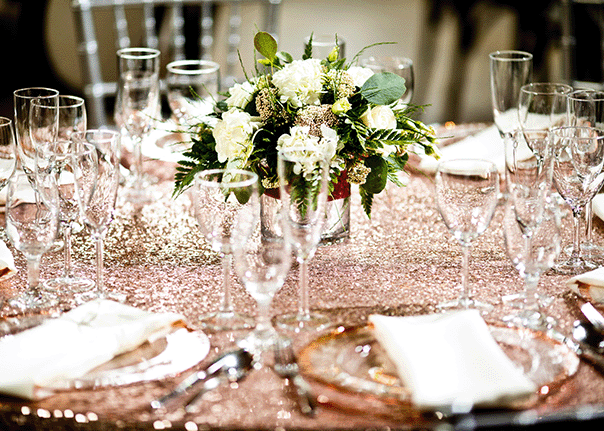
(448, 41)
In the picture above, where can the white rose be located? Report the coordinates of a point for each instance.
(379, 117)
(233, 135)
(359, 75)
(240, 95)
(300, 82)
(310, 148)
(329, 142)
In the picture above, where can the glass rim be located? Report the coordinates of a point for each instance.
(489, 165)
(104, 133)
(138, 53)
(536, 87)
(558, 130)
(77, 100)
(23, 93)
(251, 177)
(207, 66)
(511, 55)
(5, 121)
(401, 59)
(600, 94)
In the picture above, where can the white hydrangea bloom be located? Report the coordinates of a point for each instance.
(240, 95)
(300, 82)
(233, 135)
(312, 148)
(360, 74)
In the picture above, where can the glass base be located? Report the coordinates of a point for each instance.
(303, 322)
(531, 319)
(106, 294)
(32, 300)
(465, 303)
(575, 266)
(69, 284)
(226, 321)
(517, 300)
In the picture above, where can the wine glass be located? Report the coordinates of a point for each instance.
(219, 196)
(543, 105)
(529, 169)
(586, 108)
(324, 44)
(401, 66)
(532, 256)
(262, 264)
(509, 71)
(138, 107)
(303, 177)
(466, 196)
(192, 87)
(31, 225)
(8, 158)
(95, 158)
(578, 162)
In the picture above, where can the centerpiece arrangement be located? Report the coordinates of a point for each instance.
(345, 112)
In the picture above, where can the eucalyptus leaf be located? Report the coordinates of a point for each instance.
(377, 178)
(265, 44)
(383, 88)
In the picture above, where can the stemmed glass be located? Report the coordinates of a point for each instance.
(96, 177)
(192, 86)
(8, 158)
(303, 177)
(31, 225)
(26, 145)
(401, 66)
(219, 196)
(509, 71)
(138, 107)
(586, 109)
(262, 264)
(466, 196)
(578, 162)
(532, 256)
(324, 44)
(543, 105)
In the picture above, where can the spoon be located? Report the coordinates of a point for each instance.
(590, 343)
(230, 367)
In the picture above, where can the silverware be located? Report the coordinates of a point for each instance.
(231, 366)
(593, 316)
(587, 342)
(286, 367)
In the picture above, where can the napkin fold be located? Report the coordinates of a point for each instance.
(597, 205)
(450, 361)
(71, 345)
(486, 145)
(7, 262)
(590, 283)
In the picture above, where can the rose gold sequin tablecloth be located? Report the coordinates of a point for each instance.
(401, 261)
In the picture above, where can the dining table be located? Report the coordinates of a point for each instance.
(400, 261)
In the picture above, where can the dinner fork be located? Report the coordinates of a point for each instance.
(287, 367)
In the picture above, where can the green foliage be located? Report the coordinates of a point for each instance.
(383, 88)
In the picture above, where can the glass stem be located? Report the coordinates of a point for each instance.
(588, 223)
(67, 270)
(263, 321)
(531, 301)
(33, 273)
(465, 282)
(576, 253)
(100, 285)
(304, 306)
(227, 305)
(138, 163)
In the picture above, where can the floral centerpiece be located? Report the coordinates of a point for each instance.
(344, 112)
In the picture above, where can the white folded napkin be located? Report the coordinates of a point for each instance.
(597, 205)
(450, 361)
(71, 345)
(486, 145)
(594, 281)
(7, 262)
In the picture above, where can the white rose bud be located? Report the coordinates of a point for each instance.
(379, 117)
(233, 134)
(341, 106)
(240, 95)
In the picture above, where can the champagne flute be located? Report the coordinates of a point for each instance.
(192, 87)
(543, 105)
(31, 225)
(262, 264)
(532, 258)
(466, 196)
(8, 158)
(401, 66)
(138, 107)
(96, 177)
(303, 176)
(219, 196)
(23, 97)
(578, 163)
(509, 71)
(586, 108)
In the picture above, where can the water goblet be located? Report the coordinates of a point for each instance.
(577, 175)
(23, 97)
(137, 108)
(303, 177)
(262, 264)
(532, 256)
(401, 66)
(8, 158)
(466, 196)
(543, 105)
(509, 71)
(219, 196)
(192, 87)
(96, 177)
(31, 226)
(324, 44)
(586, 108)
